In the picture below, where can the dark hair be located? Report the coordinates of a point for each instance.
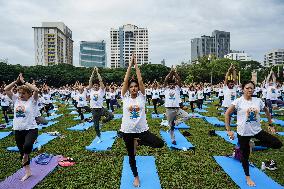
(248, 82)
(230, 81)
(96, 82)
(132, 81)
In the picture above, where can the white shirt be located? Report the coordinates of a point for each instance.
(248, 118)
(229, 96)
(155, 94)
(97, 98)
(46, 97)
(199, 94)
(24, 113)
(148, 91)
(134, 117)
(264, 93)
(191, 96)
(221, 93)
(184, 90)
(107, 95)
(271, 92)
(162, 91)
(81, 99)
(172, 97)
(5, 100)
(112, 95)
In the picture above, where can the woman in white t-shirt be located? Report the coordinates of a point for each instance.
(155, 96)
(200, 96)
(248, 125)
(191, 97)
(134, 125)
(5, 102)
(47, 100)
(24, 123)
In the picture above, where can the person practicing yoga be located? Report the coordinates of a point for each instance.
(97, 93)
(230, 89)
(134, 127)
(172, 102)
(248, 125)
(24, 123)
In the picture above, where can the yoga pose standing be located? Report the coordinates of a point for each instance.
(24, 123)
(230, 89)
(97, 94)
(172, 101)
(134, 125)
(248, 125)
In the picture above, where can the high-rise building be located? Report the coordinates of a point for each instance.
(163, 62)
(218, 44)
(92, 53)
(53, 44)
(125, 40)
(274, 57)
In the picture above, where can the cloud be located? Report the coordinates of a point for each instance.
(256, 26)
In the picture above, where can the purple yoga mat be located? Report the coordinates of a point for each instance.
(38, 174)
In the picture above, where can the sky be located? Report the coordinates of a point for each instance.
(256, 26)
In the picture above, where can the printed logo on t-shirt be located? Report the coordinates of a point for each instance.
(273, 90)
(172, 96)
(134, 112)
(251, 114)
(80, 99)
(192, 95)
(95, 97)
(20, 111)
(45, 98)
(233, 96)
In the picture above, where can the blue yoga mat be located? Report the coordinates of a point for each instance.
(280, 133)
(88, 115)
(275, 121)
(50, 123)
(74, 112)
(71, 108)
(157, 116)
(200, 110)
(107, 139)
(182, 142)
(224, 135)
(149, 106)
(5, 134)
(196, 115)
(117, 116)
(53, 117)
(82, 126)
(182, 125)
(147, 170)
(42, 139)
(235, 170)
(216, 122)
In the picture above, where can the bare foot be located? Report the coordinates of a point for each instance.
(249, 181)
(27, 175)
(136, 182)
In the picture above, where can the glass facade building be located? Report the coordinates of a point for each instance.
(92, 53)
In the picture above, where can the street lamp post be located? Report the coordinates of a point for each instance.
(209, 58)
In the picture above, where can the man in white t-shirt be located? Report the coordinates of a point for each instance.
(97, 93)
(172, 101)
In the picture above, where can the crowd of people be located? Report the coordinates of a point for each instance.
(29, 102)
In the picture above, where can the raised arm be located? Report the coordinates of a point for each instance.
(235, 75)
(126, 77)
(8, 88)
(139, 77)
(31, 86)
(170, 75)
(91, 79)
(178, 80)
(102, 86)
(227, 75)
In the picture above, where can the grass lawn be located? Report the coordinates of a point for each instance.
(176, 169)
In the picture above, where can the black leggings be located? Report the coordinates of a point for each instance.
(5, 113)
(199, 103)
(79, 109)
(146, 138)
(107, 103)
(97, 113)
(25, 140)
(265, 139)
(155, 102)
(192, 106)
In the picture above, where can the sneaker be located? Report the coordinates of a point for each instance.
(271, 165)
